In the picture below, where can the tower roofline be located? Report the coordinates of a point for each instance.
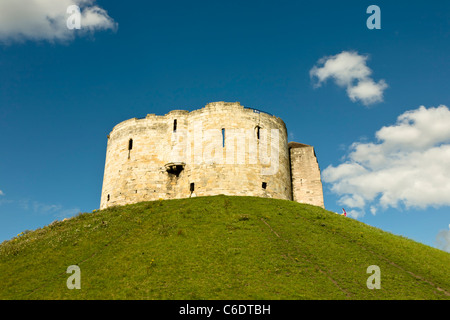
(293, 144)
(211, 105)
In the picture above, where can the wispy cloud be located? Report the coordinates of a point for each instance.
(47, 19)
(349, 70)
(409, 165)
(57, 211)
(1, 193)
(46, 208)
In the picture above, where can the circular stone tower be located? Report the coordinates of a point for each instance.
(222, 148)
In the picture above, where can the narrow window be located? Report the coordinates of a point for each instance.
(257, 132)
(223, 137)
(264, 185)
(107, 199)
(130, 146)
(175, 125)
(192, 187)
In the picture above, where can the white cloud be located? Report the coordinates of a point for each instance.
(367, 91)
(47, 19)
(355, 213)
(408, 165)
(349, 69)
(1, 193)
(443, 240)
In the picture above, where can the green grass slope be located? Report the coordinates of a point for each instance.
(219, 248)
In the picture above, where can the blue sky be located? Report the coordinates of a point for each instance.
(62, 91)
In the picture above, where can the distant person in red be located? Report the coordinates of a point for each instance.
(344, 213)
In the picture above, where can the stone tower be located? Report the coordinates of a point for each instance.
(222, 148)
(305, 175)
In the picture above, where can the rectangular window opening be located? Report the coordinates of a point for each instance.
(223, 137)
(264, 185)
(175, 125)
(130, 146)
(192, 187)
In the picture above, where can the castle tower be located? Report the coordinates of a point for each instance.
(306, 182)
(222, 148)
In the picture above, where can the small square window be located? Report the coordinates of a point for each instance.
(264, 185)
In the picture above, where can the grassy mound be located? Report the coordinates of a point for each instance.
(219, 247)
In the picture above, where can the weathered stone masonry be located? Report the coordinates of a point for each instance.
(222, 148)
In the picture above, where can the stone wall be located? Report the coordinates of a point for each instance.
(306, 182)
(222, 148)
